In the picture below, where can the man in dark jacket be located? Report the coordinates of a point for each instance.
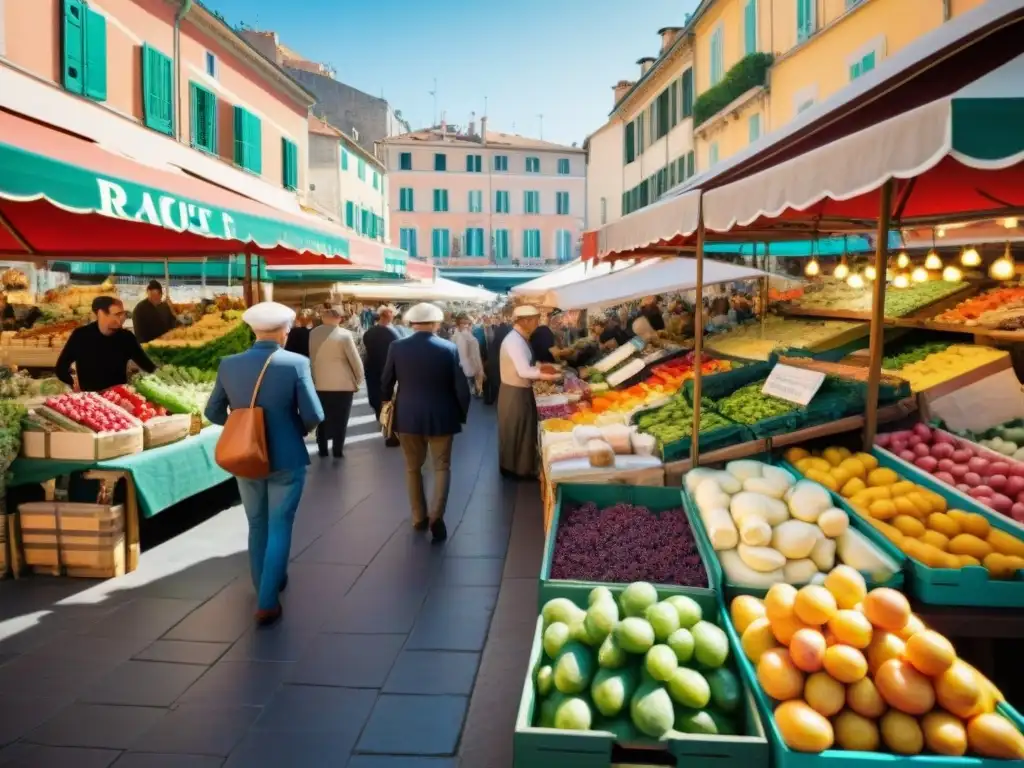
(432, 403)
(492, 384)
(153, 316)
(377, 340)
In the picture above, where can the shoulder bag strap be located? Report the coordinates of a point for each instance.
(259, 381)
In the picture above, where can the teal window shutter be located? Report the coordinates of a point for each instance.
(629, 143)
(255, 139)
(690, 163)
(440, 162)
(867, 63)
(73, 46)
(804, 19)
(563, 166)
(405, 161)
(855, 70)
(95, 55)
(203, 113)
(361, 169)
(248, 140)
(562, 203)
(376, 180)
(687, 93)
(344, 159)
(289, 164)
(157, 84)
(754, 128)
(750, 27)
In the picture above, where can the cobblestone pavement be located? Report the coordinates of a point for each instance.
(392, 653)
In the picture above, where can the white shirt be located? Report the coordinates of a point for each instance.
(469, 352)
(514, 360)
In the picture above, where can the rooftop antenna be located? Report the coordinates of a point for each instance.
(433, 94)
(485, 106)
(541, 118)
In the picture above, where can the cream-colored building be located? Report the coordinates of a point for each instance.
(646, 147)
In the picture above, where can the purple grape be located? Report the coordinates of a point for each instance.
(623, 543)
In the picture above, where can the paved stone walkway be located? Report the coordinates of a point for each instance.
(392, 653)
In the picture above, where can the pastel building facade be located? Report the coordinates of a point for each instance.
(463, 199)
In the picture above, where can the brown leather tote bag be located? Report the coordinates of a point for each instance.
(242, 447)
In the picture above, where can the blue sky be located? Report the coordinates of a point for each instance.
(558, 58)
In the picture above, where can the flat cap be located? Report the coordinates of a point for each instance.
(268, 316)
(424, 313)
(526, 310)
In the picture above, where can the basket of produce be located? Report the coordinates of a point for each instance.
(1006, 439)
(881, 689)
(616, 534)
(954, 361)
(635, 675)
(720, 384)
(757, 341)
(987, 310)
(762, 414)
(89, 428)
(203, 344)
(177, 389)
(766, 528)
(672, 426)
(952, 556)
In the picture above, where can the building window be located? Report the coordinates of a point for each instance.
(474, 163)
(750, 27)
(84, 51)
(629, 143)
(440, 162)
(501, 162)
(157, 87)
(366, 222)
(717, 55)
(407, 240)
(405, 161)
(754, 128)
(713, 153)
(344, 159)
(361, 168)
(474, 241)
(531, 243)
(203, 114)
(289, 164)
(440, 244)
(690, 164)
(862, 66)
(563, 166)
(350, 214)
(501, 250)
(604, 211)
(211, 65)
(533, 165)
(248, 140)
(405, 199)
(660, 117)
(562, 203)
(376, 180)
(501, 201)
(441, 200)
(686, 85)
(805, 19)
(563, 245)
(531, 202)
(476, 201)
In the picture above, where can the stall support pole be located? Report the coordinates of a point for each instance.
(878, 315)
(247, 281)
(698, 338)
(764, 291)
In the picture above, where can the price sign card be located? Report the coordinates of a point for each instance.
(797, 385)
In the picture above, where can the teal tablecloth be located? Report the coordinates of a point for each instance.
(163, 476)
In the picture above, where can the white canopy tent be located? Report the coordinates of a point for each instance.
(567, 275)
(440, 289)
(647, 278)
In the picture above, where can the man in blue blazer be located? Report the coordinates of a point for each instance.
(431, 406)
(291, 410)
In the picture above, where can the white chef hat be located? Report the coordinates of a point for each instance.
(268, 316)
(526, 310)
(424, 313)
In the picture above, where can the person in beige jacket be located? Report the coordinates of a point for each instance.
(337, 375)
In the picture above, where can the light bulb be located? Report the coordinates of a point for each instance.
(813, 268)
(919, 275)
(1010, 222)
(970, 257)
(903, 261)
(841, 271)
(941, 232)
(901, 281)
(932, 260)
(952, 274)
(1003, 268)
(855, 281)
(870, 272)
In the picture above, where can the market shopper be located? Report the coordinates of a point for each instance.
(469, 355)
(432, 399)
(543, 342)
(153, 316)
(517, 407)
(291, 410)
(298, 336)
(498, 331)
(337, 374)
(377, 340)
(101, 350)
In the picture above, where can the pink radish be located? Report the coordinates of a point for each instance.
(977, 464)
(963, 487)
(945, 465)
(927, 463)
(1014, 485)
(883, 439)
(923, 431)
(907, 455)
(997, 482)
(942, 437)
(942, 450)
(958, 471)
(961, 456)
(945, 477)
(1017, 512)
(922, 450)
(898, 445)
(913, 440)
(1017, 469)
(1001, 503)
(999, 468)
(973, 479)
(980, 492)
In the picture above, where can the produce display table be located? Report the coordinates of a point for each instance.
(153, 478)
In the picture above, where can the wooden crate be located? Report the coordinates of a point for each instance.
(95, 446)
(648, 476)
(67, 538)
(163, 430)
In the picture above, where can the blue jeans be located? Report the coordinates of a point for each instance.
(270, 505)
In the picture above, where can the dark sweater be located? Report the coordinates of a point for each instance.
(100, 361)
(151, 320)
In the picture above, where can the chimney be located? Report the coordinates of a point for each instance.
(483, 129)
(472, 129)
(621, 88)
(645, 64)
(668, 36)
(444, 128)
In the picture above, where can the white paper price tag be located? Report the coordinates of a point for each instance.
(797, 385)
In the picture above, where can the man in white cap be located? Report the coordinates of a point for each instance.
(517, 407)
(291, 410)
(431, 405)
(376, 341)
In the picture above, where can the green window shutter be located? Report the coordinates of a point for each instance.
(405, 161)
(754, 128)
(241, 137)
(157, 84)
(350, 216)
(73, 45)
(867, 63)
(690, 163)
(469, 163)
(750, 27)
(855, 70)
(255, 142)
(344, 159)
(95, 55)
(673, 106)
(289, 164)
(688, 93)
(440, 162)
(804, 19)
(629, 144)
(203, 113)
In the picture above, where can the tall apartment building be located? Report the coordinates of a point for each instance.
(473, 198)
(646, 147)
(753, 66)
(364, 118)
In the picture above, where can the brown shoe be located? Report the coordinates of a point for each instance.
(267, 618)
(439, 531)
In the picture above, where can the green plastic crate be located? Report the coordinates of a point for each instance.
(655, 499)
(784, 757)
(536, 747)
(729, 590)
(718, 385)
(782, 424)
(711, 440)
